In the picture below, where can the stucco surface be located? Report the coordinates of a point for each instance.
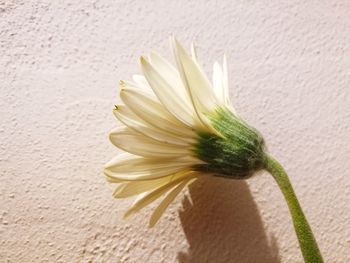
(60, 62)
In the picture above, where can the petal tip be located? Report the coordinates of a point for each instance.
(143, 60)
(127, 214)
(105, 170)
(121, 82)
(151, 224)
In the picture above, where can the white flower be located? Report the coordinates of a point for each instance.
(178, 126)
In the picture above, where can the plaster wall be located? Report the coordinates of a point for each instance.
(60, 62)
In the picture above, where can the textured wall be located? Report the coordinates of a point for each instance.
(60, 63)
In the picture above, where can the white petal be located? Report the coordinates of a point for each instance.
(128, 167)
(198, 86)
(136, 143)
(155, 194)
(127, 117)
(175, 103)
(141, 81)
(153, 112)
(112, 179)
(146, 89)
(131, 188)
(173, 78)
(195, 80)
(169, 198)
(194, 52)
(137, 187)
(166, 70)
(218, 83)
(225, 83)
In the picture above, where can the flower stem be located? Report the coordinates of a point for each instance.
(307, 242)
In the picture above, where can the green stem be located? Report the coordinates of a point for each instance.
(307, 242)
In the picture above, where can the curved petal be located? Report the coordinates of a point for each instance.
(218, 85)
(141, 81)
(131, 120)
(137, 187)
(175, 103)
(151, 196)
(165, 69)
(138, 144)
(128, 167)
(198, 86)
(132, 188)
(225, 82)
(195, 80)
(146, 89)
(174, 80)
(169, 198)
(194, 52)
(153, 112)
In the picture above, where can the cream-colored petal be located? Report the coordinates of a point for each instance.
(138, 144)
(127, 162)
(128, 167)
(152, 112)
(130, 119)
(141, 81)
(225, 83)
(218, 83)
(169, 198)
(112, 179)
(165, 69)
(132, 188)
(145, 89)
(137, 187)
(195, 80)
(194, 52)
(172, 101)
(126, 116)
(173, 78)
(151, 196)
(199, 88)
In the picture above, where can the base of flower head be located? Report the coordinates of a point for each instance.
(237, 154)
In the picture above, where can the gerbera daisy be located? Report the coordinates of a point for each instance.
(178, 126)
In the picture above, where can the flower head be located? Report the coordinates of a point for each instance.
(178, 126)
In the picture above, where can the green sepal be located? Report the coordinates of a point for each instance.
(237, 153)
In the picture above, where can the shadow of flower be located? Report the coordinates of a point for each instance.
(222, 224)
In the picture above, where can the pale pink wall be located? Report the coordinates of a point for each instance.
(60, 63)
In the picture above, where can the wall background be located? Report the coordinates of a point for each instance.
(60, 62)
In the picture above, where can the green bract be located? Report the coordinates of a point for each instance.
(237, 154)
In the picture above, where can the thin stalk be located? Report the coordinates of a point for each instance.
(307, 242)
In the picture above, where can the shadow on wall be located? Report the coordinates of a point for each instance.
(222, 224)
